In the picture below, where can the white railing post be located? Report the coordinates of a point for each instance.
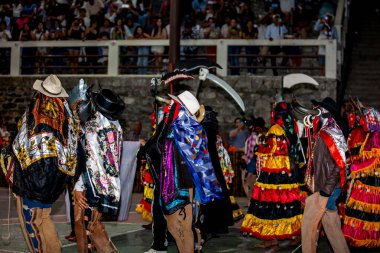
(222, 57)
(15, 59)
(330, 66)
(113, 58)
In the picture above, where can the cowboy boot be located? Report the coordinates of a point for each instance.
(49, 234)
(83, 245)
(98, 234)
(314, 208)
(332, 226)
(180, 227)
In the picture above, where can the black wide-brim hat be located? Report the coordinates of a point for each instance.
(108, 103)
(330, 105)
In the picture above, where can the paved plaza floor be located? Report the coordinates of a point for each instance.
(130, 237)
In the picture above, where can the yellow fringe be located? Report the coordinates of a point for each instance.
(276, 186)
(362, 206)
(366, 225)
(374, 152)
(146, 215)
(148, 192)
(272, 227)
(360, 186)
(275, 162)
(368, 243)
(371, 170)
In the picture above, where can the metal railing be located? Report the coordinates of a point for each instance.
(114, 54)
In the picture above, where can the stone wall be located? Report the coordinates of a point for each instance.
(257, 93)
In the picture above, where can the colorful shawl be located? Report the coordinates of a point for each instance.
(191, 140)
(333, 136)
(103, 140)
(47, 130)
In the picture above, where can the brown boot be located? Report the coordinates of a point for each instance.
(98, 234)
(314, 209)
(83, 245)
(333, 229)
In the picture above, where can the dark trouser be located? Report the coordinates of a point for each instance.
(273, 60)
(252, 60)
(234, 60)
(159, 224)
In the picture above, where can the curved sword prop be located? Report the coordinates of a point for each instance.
(291, 80)
(205, 74)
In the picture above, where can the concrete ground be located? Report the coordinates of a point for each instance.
(129, 236)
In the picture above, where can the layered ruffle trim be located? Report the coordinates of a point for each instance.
(145, 210)
(274, 211)
(271, 229)
(277, 178)
(276, 186)
(371, 167)
(365, 193)
(361, 233)
(362, 206)
(276, 195)
(275, 164)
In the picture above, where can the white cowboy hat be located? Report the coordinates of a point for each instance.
(190, 102)
(50, 87)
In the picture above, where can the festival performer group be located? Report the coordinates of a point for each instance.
(74, 140)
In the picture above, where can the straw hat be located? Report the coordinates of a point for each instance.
(50, 87)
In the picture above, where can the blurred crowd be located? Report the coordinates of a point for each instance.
(27, 20)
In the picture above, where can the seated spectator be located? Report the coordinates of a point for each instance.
(76, 32)
(94, 8)
(131, 24)
(111, 13)
(103, 52)
(85, 20)
(106, 27)
(199, 8)
(40, 33)
(158, 32)
(17, 8)
(30, 8)
(92, 53)
(188, 32)
(142, 52)
(27, 53)
(276, 31)
(120, 31)
(250, 32)
(22, 20)
(234, 32)
(327, 31)
(5, 53)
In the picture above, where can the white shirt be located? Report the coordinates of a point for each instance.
(5, 35)
(275, 32)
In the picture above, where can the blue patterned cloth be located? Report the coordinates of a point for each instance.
(191, 140)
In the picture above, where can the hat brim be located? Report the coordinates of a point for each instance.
(111, 115)
(38, 87)
(201, 111)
